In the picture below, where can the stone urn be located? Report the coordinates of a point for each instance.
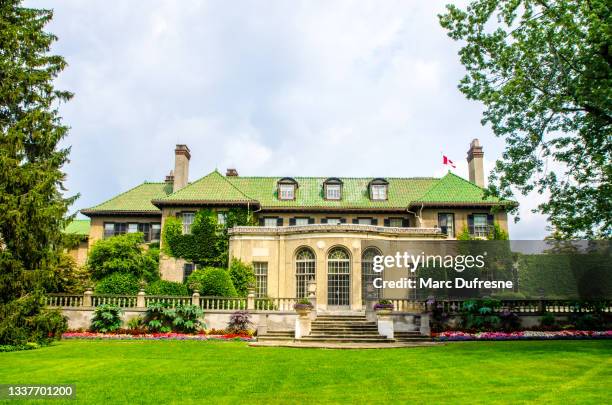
(303, 310)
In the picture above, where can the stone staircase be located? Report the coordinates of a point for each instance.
(338, 329)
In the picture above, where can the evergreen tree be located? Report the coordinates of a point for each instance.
(32, 207)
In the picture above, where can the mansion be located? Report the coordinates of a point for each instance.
(317, 229)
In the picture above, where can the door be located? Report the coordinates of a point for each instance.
(338, 279)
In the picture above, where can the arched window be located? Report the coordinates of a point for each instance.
(338, 277)
(304, 271)
(368, 275)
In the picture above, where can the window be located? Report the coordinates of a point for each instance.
(304, 271)
(155, 232)
(332, 191)
(368, 291)
(187, 221)
(334, 221)
(481, 228)
(132, 228)
(396, 222)
(286, 191)
(146, 230)
(364, 221)
(379, 192)
(338, 277)
(261, 278)
(302, 221)
(188, 268)
(446, 222)
(221, 218)
(109, 229)
(270, 221)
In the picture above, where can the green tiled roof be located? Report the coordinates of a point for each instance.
(355, 192)
(402, 192)
(215, 188)
(137, 199)
(211, 188)
(78, 227)
(452, 189)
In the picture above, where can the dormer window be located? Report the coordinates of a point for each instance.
(332, 188)
(378, 189)
(286, 188)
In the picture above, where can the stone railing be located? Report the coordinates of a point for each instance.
(141, 301)
(278, 230)
(528, 306)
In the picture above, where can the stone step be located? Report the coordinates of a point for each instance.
(279, 333)
(343, 323)
(345, 340)
(364, 329)
(345, 336)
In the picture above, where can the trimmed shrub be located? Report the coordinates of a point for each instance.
(242, 275)
(212, 281)
(164, 287)
(118, 283)
(107, 318)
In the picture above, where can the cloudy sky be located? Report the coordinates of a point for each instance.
(328, 88)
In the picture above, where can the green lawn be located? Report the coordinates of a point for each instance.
(228, 372)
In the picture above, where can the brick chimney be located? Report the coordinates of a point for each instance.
(170, 178)
(475, 163)
(181, 167)
(231, 172)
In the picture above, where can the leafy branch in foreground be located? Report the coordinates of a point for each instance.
(543, 70)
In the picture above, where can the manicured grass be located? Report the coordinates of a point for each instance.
(231, 372)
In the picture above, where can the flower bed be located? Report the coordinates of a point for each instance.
(523, 335)
(154, 336)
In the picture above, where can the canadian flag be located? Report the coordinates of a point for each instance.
(447, 161)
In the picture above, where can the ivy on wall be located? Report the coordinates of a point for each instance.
(208, 243)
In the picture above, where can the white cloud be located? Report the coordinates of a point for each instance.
(292, 88)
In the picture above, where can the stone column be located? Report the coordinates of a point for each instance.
(302, 324)
(424, 328)
(87, 301)
(195, 298)
(384, 320)
(251, 299)
(140, 299)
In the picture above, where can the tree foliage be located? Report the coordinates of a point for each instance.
(543, 70)
(123, 254)
(32, 206)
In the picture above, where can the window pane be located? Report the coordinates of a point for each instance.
(379, 192)
(396, 222)
(304, 271)
(188, 268)
(132, 228)
(261, 278)
(365, 221)
(301, 221)
(333, 191)
(120, 229)
(221, 218)
(286, 191)
(480, 219)
(446, 224)
(109, 229)
(333, 221)
(155, 232)
(187, 221)
(270, 221)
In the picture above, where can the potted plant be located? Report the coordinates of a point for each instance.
(383, 307)
(303, 307)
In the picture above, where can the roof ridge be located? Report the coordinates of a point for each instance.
(340, 177)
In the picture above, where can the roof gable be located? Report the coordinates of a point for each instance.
(212, 188)
(454, 189)
(137, 199)
(78, 227)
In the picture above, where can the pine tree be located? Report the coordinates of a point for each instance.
(32, 206)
